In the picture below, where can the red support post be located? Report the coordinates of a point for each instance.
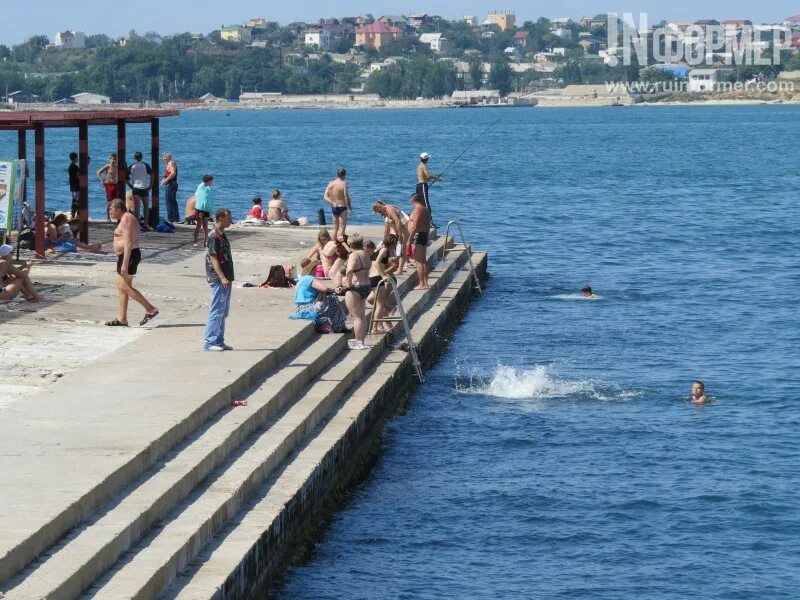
(38, 136)
(122, 164)
(22, 154)
(83, 178)
(155, 181)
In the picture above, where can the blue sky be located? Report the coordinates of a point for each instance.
(23, 19)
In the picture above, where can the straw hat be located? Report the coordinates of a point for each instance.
(307, 266)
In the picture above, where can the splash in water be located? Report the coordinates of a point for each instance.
(540, 382)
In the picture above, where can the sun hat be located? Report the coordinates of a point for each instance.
(424, 156)
(307, 266)
(5, 250)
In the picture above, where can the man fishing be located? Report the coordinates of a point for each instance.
(424, 178)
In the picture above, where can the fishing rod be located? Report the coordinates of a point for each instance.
(472, 143)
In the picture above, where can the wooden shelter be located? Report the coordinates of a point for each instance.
(39, 121)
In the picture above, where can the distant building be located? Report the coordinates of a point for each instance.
(561, 22)
(376, 35)
(418, 20)
(319, 37)
(734, 26)
(436, 41)
(362, 20)
(705, 80)
(470, 20)
(236, 34)
(395, 21)
(522, 39)
(257, 23)
(562, 32)
(503, 20)
(210, 98)
(90, 98)
(22, 97)
(442, 45)
(70, 39)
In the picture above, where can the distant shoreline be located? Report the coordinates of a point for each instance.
(405, 104)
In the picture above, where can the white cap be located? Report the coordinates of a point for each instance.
(424, 156)
(5, 250)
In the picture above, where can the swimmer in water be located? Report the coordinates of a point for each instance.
(587, 293)
(699, 392)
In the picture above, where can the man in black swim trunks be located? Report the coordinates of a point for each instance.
(338, 196)
(424, 178)
(126, 247)
(419, 226)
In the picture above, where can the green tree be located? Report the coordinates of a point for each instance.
(500, 75)
(476, 73)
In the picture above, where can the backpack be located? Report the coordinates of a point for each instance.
(27, 239)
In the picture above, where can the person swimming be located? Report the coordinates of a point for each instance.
(587, 292)
(698, 392)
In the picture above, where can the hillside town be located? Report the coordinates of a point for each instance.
(492, 59)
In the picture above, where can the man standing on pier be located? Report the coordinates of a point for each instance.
(338, 196)
(423, 179)
(74, 173)
(219, 273)
(139, 181)
(419, 226)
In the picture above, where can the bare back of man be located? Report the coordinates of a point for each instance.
(338, 196)
(419, 226)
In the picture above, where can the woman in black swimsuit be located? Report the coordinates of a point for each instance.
(357, 288)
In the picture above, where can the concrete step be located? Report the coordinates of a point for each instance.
(128, 430)
(241, 558)
(78, 561)
(160, 556)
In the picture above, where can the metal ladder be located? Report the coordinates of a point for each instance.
(372, 320)
(445, 250)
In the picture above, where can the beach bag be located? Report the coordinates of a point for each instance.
(331, 317)
(27, 239)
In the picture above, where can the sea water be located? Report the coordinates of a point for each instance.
(551, 451)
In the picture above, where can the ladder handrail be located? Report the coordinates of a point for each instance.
(467, 248)
(372, 320)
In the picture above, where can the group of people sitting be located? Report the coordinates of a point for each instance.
(351, 267)
(277, 209)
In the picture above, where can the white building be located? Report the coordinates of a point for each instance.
(70, 39)
(89, 98)
(470, 20)
(319, 37)
(705, 80)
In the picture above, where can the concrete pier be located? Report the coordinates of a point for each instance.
(129, 474)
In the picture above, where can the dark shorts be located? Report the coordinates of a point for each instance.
(142, 193)
(201, 214)
(375, 280)
(337, 210)
(361, 290)
(133, 262)
(421, 238)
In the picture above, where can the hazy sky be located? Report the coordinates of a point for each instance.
(23, 19)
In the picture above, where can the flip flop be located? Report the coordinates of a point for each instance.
(116, 323)
(148, 318)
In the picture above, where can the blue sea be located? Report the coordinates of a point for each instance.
(552, 452)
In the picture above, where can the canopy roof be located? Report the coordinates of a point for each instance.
(28, 119)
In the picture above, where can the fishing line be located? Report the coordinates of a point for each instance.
(472, 143)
